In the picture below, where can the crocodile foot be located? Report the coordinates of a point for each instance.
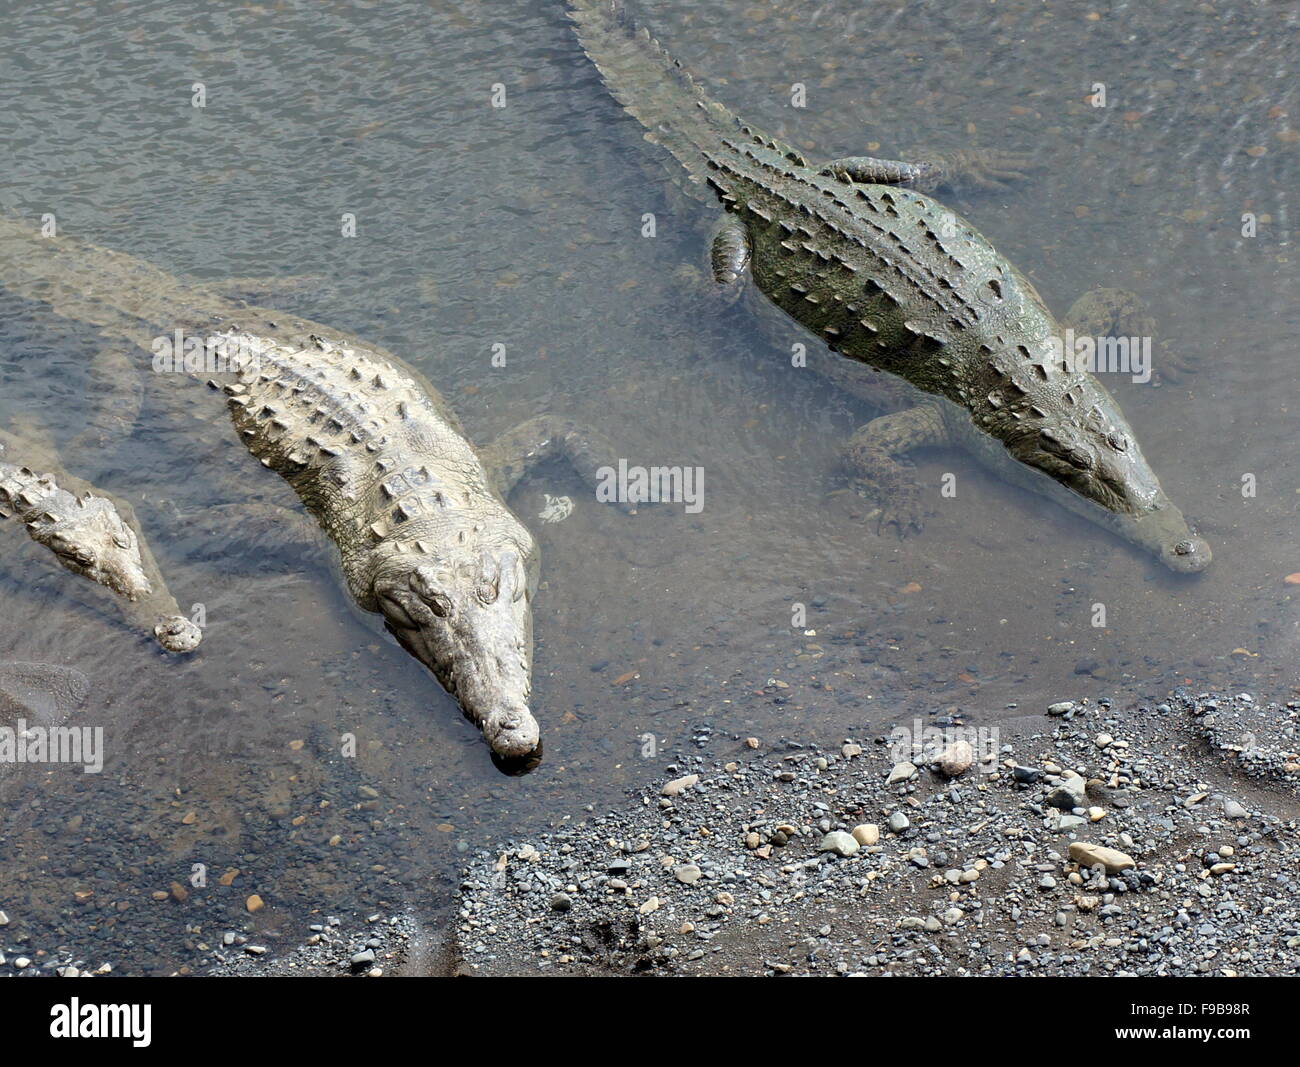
(980, 168)
(901, 511)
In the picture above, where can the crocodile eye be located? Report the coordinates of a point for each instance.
(1117, 441)
(122, 540)
(488, 590)
(428, 585)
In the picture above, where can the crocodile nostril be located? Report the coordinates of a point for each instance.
(1184, 548)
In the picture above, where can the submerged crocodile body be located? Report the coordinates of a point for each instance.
(418, 516)
(93, 535)
(889, 277)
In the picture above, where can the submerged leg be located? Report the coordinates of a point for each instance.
(516, 452)
(979, 167)
(1120, 313)
(729, 250)
(252, 530)
(264, 290)
(873, 455)
(117, 386)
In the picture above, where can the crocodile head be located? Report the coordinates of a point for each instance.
(470, 622)
(91, 540)
(1097, 470)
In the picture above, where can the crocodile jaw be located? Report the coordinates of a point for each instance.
(470, 622)
(1164, 533)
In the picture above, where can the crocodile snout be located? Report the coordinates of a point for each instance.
(512, 734)
(1187, 556)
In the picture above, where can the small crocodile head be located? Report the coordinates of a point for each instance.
(470, 622)
(1098, 461)
(91, 540)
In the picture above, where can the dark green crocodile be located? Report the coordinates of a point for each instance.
(889, 277)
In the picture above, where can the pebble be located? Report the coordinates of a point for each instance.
(688, 873)
(561, 902)
(1087, 854)
(679, 785)
(956, 759)
(1061, 708)
(898, 822)
(868, 833)
(901, 772)
(840, 843)
(1231, 809)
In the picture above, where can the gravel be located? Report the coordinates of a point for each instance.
(818, 862)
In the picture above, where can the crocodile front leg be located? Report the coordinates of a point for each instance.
(983, 168)
(1120, 313)
(730, 251)
(510, 458)
(873, 457)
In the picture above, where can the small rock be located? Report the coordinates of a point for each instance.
(840, 843)
(1231, 809)
(901, 773)
(254, 903)
(1060, 708)
(649, 906)
(561, 902)
(898, 822)
(679, 785)
(866, 834)
(956, 759)
(1087, 854)
(688, 873)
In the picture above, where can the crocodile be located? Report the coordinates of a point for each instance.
(375, 454)
(858, 253)
(93, 534)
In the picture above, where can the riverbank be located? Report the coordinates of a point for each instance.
(1155, 840)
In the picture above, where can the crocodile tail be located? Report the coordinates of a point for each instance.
(657, 90)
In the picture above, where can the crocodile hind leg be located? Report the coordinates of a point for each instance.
(983, 168)
(874, 457)
(265, 291)
(510, 458)
(1120, 313)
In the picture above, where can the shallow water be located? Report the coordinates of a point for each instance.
(521, 226)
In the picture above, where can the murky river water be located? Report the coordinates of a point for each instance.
(521, 226)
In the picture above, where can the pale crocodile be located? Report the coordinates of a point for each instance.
(418, 516)
(889, 277)
(93, 534)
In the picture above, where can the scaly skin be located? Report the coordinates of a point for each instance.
(374, 453)
(891, 278)
(422, 535)
(95, 536)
